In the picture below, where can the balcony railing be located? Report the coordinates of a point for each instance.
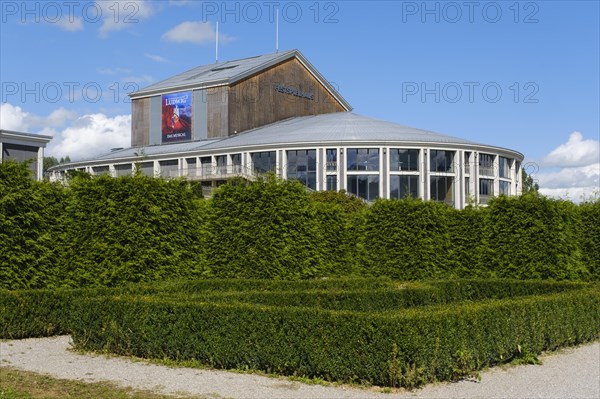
(486, 170)
(484, 199)
(210, 172)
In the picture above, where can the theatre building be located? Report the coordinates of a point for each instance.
(277, 113)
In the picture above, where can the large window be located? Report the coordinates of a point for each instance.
(486, 164)
(486, 187)
(302, 166)
(191, 165)
(441, 161)
(331, 155)
(206, 165)
(264, 161)
(504, 167)
(467, 165)
(364, 186)
(467, 186)
(236, 161)
(147, 168)
(123, 169)
(404, 160)
(404, 186)
(100, 170)
(362, 159)
(332, 183)
(442, 189)
(169, 168)
(504, 187)
(221, 164)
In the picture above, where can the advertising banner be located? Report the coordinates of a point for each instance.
(177, 117)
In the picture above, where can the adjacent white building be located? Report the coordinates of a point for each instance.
(19, 147)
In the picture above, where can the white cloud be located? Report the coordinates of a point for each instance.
(575, 152)
(181, 2)
(195, 32)
(572, 170)
(155, 57)
(112, 71)
(91, 135)
(73, 25)
(121, 14)
(15, 118)
(58, 117)
(78, 137)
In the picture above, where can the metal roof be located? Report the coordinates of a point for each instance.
(150, 150)
(339, 127)
(25, 136)
(230, 72)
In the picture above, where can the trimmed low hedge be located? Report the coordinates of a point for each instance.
(39, 313)
(401, 348)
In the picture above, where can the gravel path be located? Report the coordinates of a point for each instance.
(571, 373)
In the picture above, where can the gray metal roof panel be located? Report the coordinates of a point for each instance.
(341, 127)
(152, 150)
(222, 72)
(229, 72)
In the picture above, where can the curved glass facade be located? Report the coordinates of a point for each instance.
(456, 176)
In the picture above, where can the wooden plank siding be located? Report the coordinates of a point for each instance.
(255, 102)
(217, 111)
(140, 122)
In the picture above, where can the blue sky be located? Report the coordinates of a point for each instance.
(522, 75)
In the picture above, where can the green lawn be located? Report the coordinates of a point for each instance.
(17, 384)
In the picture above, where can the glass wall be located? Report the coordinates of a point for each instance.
(442, 188)
(362, 159)
(302, 166)
(206, 165)
(364, 186)
(123, 169)
(404, 160)
(467, 164)
(147, 168)
(504, 167)
(331, 159)
(486, 187)
(221, 164)
(504, 187)
(441, 161)
(402, 186)
(100, 170)
(486, 164)
(236, 162)
(332, 184)
(264, 161)
(169, 168)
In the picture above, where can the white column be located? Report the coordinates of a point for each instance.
(40, 163)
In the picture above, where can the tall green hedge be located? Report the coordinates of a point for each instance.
(265, 229)
(31, 229)
(469, 242)
(534, 237)
(102, 231)
(589, 237)
(131, 229)
(407, 240)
